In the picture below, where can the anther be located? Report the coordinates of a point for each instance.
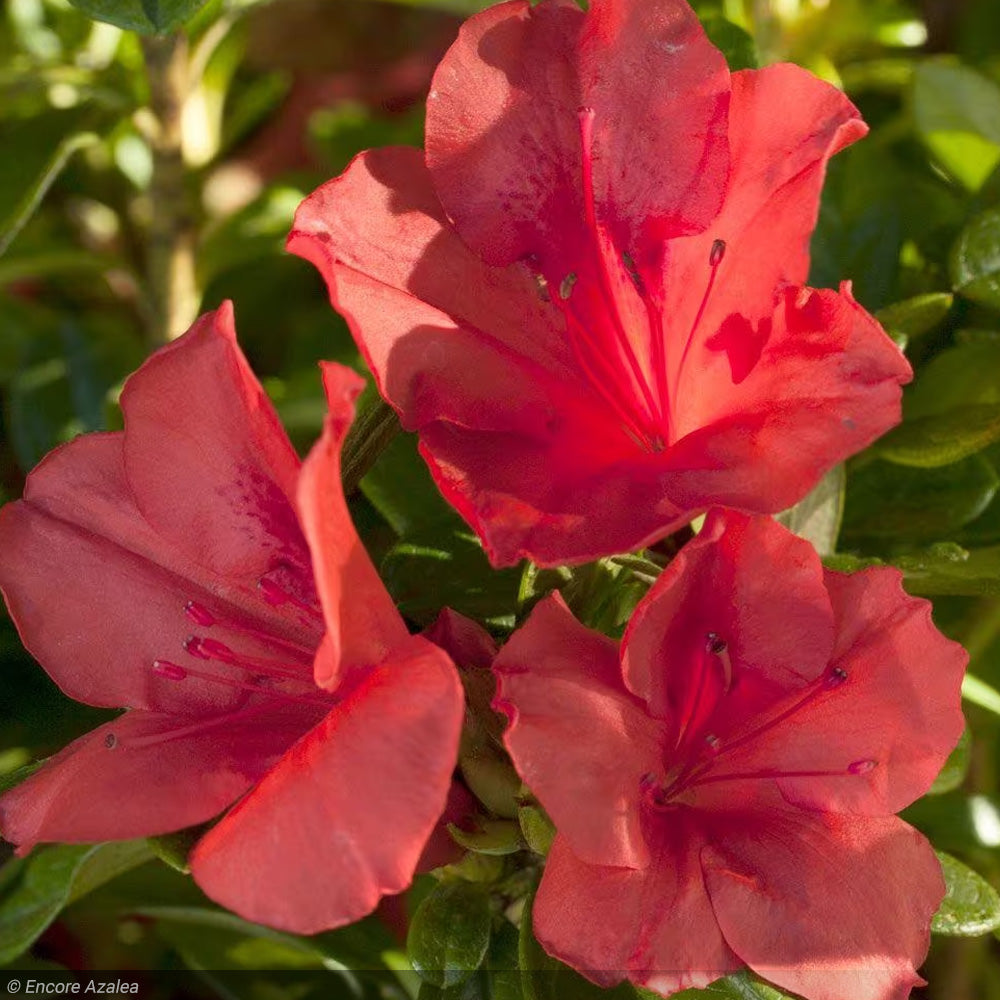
(714, 643)
(193, 646)
(199, 614)
(111, 741)
(862, 766)
(271, 592)
(169, 671)
(566, 285)
(713, 742)
(835, 677)
(717, 252)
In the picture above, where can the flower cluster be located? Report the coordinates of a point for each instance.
(587, 297)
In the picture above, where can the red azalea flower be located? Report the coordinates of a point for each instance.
(193, 571)
(588, 299)
(724, 784)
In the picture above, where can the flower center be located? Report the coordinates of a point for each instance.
(703, 753)
(600, 306)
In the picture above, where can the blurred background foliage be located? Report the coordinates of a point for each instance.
(146, 177)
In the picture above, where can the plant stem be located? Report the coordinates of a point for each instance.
(170, 262)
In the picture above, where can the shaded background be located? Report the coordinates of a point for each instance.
(143, 181)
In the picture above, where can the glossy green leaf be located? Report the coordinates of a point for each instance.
(916, 316)
(967, 374)
(148, 17)
(732, 41)
(493, 836)
(34, 890)
(450, 932)
(955, 767)
(817, 516)
(537, 828)
(957, 114)
(501, 961)
(971, 906)
(943, 438)
(955, 821)
(975, 259)
(949, 569)
(44, 145)
(898, 502)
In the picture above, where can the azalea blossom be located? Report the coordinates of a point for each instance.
(588, 296)
(724, 781)
(191, 570)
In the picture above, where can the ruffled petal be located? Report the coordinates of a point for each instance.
(826, 906)
(122, 588)
(504, 138)
(350, 590)
(747, 583)
(344, 816)
(560, 684)
(883, 734)
(654, 926)
(208, 461)
(147, 773)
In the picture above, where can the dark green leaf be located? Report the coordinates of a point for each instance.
(915, 317)
(449, 933)
(735, 44)
(971, 906)
(148, 17)
(949, 569)
(44, 144)
(955, 767)
(959, 376)
(898, 502)
(975, 259)
(957, 114)
(940, 439)
(501, 961)
(494, 836)
(35, 889)
(817, 516)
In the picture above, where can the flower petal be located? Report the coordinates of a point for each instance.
(751, 584)
(504, 133)
(207, 460)
(889, 727)
(826, 906)
(343, 818)
(654, 926)
(560, 685)
(147, 773)
(350, 590)
(122, 588)
(784, 125)
(465, 641)
(825, 383)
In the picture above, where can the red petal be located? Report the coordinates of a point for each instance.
(561, 686)
(827, 384)
(784, 125)
(465, 641)
(343, 818)
(826, 906)
(755, 586)
(350, 590)
(122, 588)
(896, 717)
(503, 133)
(654, 926)
(207, 459)
(146, 774)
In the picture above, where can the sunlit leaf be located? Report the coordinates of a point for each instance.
(971, 906)
(975, 259)
(145, 16)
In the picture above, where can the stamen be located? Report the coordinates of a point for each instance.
(174, 672)
(169, 671)
(715, 258)
(719, 648)
(199, 614)
(277, 596)
(566, 285)
(862, 766)
(212, 649)
(656, 408)
(854, 769)
(111, 741)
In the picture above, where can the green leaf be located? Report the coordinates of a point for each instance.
(940, 439)
(949, 569)
(955, 767)
(957, 114)
(501, 961)
(492, 780)
(915, 317)
(537, 828)
(732, 41)
(743, 985)
(974, 263)
(494, 836)
(449, 933)
(37, 888)
(971, 905)
(892, 501)
(816, 517)
(977, 691)
(44, 145)
(148, 17)
(959, 376)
